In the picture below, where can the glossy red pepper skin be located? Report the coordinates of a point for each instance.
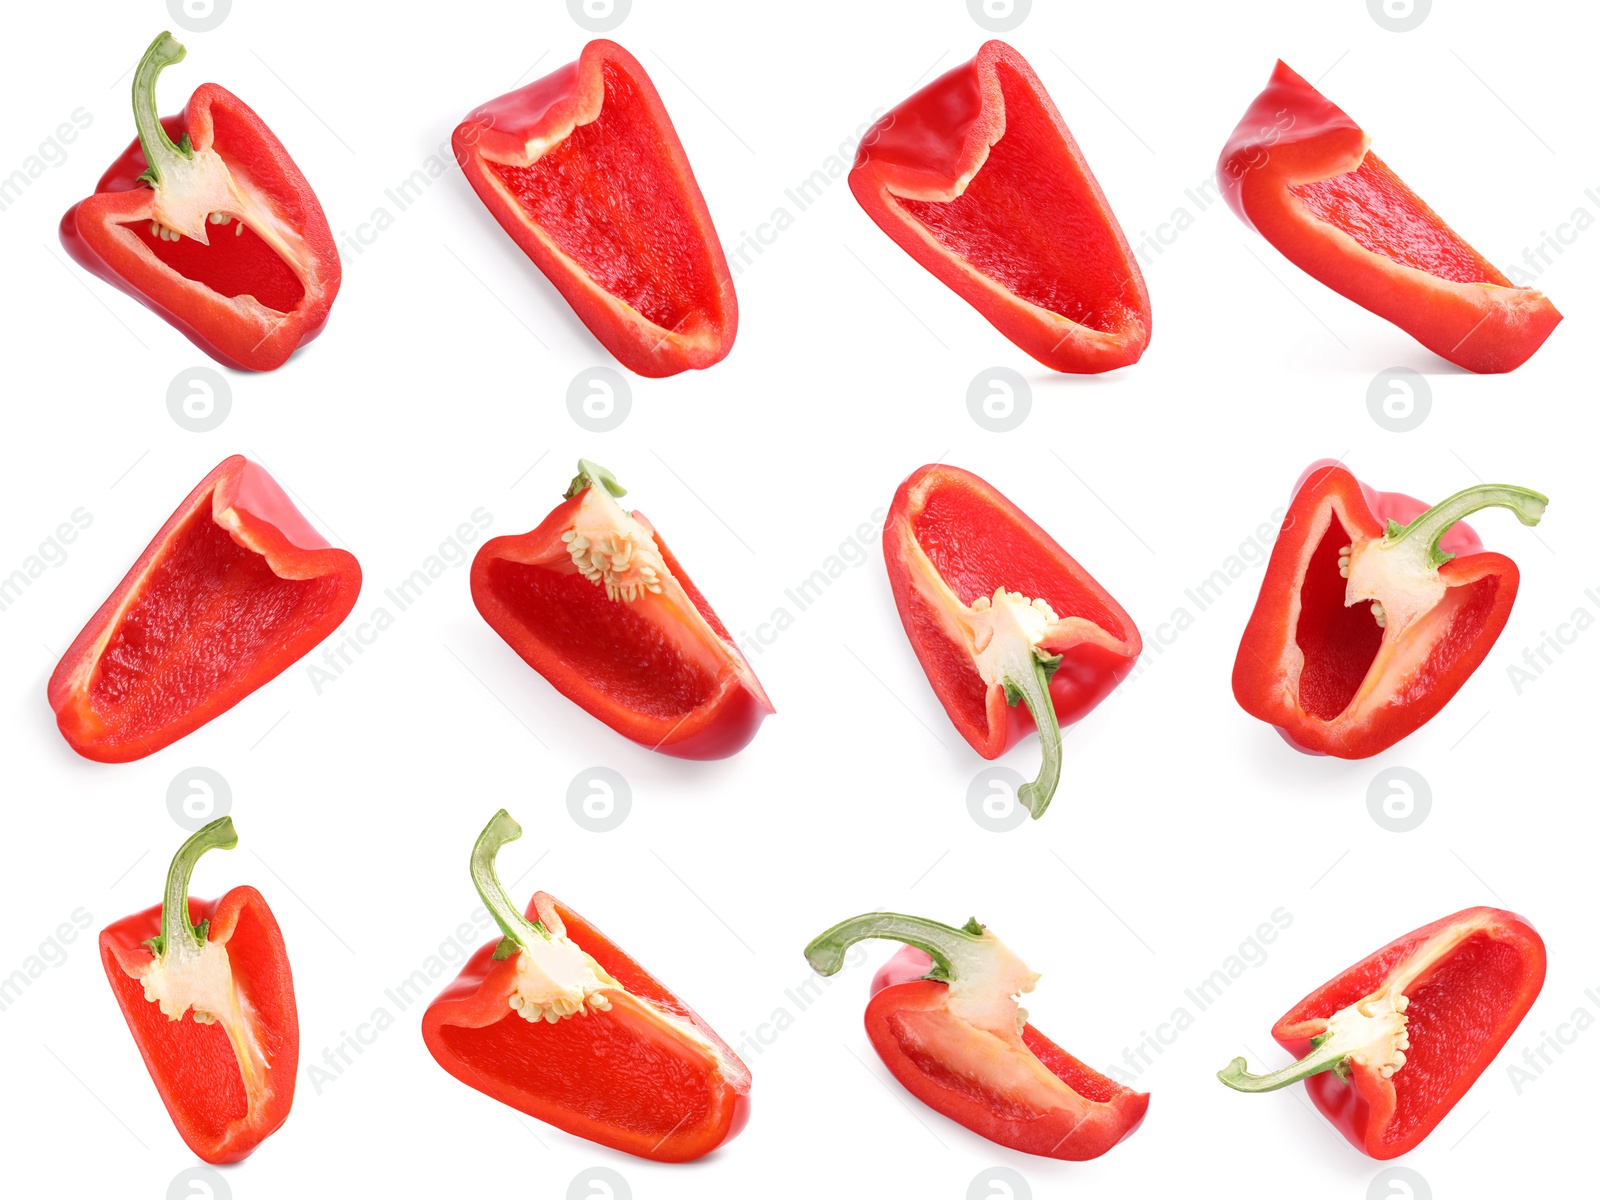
(1323, 674)
(618, 1077)
(195, 288)
(193, 1066)
(638, 665)
(977, 540)
(585, 171)
(1298, 171)
(977, 178)
(233, 590)
(1475, 991)
(916, 1036)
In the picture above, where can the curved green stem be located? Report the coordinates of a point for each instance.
(160, 153)
(1033, 689)
(950, 948)
(520, 933)
(592, 474)
(1426, 530)
(1325, 1056)
(177, 934)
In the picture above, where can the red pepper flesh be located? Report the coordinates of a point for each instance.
(1466, 981)
(658, 666)
(1002, 1079)
(634, 1068)
(586, 173)
(977, 178)
(950, 541)
(1337, 676)
(249, 290)
(1297, 170)
(221, 1111)
(234, 589)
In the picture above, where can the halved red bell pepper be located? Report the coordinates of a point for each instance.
(219, 232)
(1297, 170)
(998, 612)
(586, 173)
(1388, 1046)
(227, 1075)
(594, 601)
(233, 590)
(557, 1022)
(944, 1019)
(977, 178)
(1373, 611)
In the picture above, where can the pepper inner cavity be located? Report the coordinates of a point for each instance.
(237, 266)
(1338, 643)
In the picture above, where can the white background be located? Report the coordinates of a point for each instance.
(439, 387)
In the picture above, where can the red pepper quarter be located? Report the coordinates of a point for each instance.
(977, 178)
(233, 590)
(586, 173)
(219, 233)
(1297, 170)
(1374, 610)
(226, 1073)
(594, 601)
(557, 1022)
(1390, 1045)
(944, 1019)
(998, 612)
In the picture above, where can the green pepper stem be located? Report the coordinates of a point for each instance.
(592, 474)
(1034, 690)
(1323, 1057)
(1429, 527)
(947, 946)
(178, 935)
(160, 153)
(520, 933)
